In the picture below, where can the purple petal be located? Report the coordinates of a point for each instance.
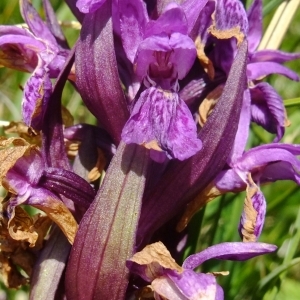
(267, 109)
(184, 53)
(193, 285)
(133, 20)
(281, 170)
(204, 20)
(229, 181)
(255, 25)
(260, 69)
(263, 155)
(164, 287)
(36, 24)
(275, 56)
(20, 49)
(89, 6)
(171, 21)
(163, 117)
(228, 251)
(53, 24)
(193, 10)
(28, 169)
(36, 97)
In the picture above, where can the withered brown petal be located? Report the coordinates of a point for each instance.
(20, 227)
(156, 257)
(57, 211)
(10, 275)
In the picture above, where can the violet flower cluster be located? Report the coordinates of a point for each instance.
(174, 86)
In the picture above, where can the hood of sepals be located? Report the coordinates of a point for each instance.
(165, 58)
(89, 6)
(155, 265)
(166, 53)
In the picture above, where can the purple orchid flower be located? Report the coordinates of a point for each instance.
(267, 108)
(162, 53)
(37, 51)
(255, 167)
(170, 281)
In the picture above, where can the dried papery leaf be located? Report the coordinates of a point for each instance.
(10, 155)
(220, 273)
(229, 20)
(106, 235)
(209, 103)
(155, 258)
(205, 196)
(23, 259)
(16, 251)
(95, 173)
(205, 62)
(67, 118)
(41, 226)
(58, 213)
(20, 227)
(10, 274)
(27, 133)
(250, 214)
(228, 33)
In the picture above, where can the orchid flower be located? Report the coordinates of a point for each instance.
(170, 281)
(162, 54)
(232, 24)
(35, 50)
(255, 167)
